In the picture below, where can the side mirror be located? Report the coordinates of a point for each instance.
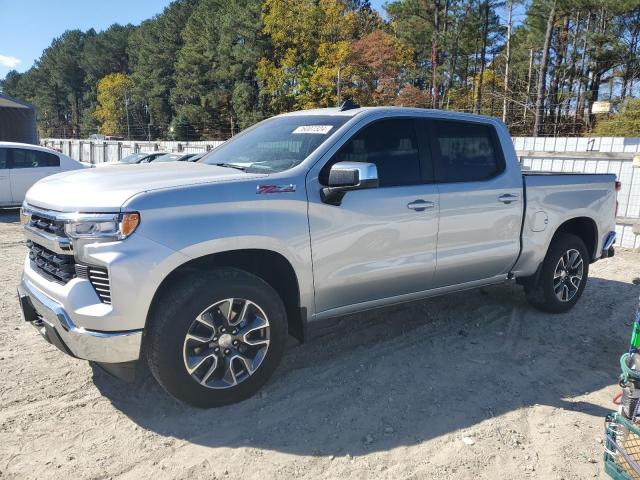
(347, 176)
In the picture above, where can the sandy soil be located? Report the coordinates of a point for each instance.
(473, 385)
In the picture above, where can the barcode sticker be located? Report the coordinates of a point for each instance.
(320, 129)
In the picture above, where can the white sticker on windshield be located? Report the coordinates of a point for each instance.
(321, 129)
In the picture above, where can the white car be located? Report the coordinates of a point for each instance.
(22, 165)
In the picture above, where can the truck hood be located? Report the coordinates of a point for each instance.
(108, 188)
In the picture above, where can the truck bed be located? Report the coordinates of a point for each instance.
(552, 198)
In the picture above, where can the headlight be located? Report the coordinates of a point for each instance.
(25, 216)
(105, 226)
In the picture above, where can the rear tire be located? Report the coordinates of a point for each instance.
(216, 338)
(563, 275)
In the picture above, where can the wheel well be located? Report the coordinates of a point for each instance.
(270, 266)
(582, 227)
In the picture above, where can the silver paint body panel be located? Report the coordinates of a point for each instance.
(371, 251)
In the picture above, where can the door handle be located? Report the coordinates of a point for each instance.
(508, 198)
(420, 205)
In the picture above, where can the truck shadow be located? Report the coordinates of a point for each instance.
(404, 374)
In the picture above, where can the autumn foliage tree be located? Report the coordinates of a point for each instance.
(210, 68)
(310, 44)
(111, 112)
(378, 68)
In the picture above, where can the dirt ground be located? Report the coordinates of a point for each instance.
(473, 385)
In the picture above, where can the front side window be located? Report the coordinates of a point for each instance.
(467, 151)
(391, 145)
(25, 158)
(276, 144)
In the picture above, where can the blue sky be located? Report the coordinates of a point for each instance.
(27, 27)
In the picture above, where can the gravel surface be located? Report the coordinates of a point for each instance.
(473, 385)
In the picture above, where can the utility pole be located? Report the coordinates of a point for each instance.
(126, 110)
(338, 86)
(146, 106)
(507, 60)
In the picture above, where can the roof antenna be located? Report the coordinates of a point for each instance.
(348, 104)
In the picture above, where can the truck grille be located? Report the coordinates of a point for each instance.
(47, 225)
(53, 266)
(99, 278)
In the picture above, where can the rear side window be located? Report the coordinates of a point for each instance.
(467, 151)
(391, 145)
(4, 161)
(25, 158)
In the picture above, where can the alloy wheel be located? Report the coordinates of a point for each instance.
(226, 343)
(567, 275)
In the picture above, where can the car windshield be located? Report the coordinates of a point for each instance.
(169, 157)
(276, 144)
(134, 157)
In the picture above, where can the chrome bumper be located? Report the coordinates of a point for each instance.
(607, 246)
(55, 325)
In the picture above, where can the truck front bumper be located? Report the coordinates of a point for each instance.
(55, 325)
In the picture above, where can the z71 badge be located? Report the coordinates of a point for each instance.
(264, 189)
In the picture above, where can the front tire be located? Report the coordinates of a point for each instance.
(563, 275)
(217, 337)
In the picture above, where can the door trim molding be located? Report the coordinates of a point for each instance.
(408, 297)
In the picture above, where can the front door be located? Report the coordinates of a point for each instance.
(381, 242)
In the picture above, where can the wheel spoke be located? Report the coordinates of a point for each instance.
(200, 361)
(561, 263)
(227, 315)
(198, 338)
(248, 364)
(575, 281)
(212, 368)
(255, 326)
(242, 315)
(206, 319)
(557, 286)
(229, 376)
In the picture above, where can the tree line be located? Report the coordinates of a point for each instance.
(210, 68)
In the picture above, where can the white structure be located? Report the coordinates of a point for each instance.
(23, 164)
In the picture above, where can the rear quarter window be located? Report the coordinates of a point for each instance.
(467, 152)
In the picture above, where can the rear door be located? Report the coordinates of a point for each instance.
(381, 242)
(27, 167)
(480, 203)
(5, 183)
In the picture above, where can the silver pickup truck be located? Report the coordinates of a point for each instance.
(203, 269)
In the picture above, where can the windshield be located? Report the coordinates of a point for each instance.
(276, 144)
(134, 158)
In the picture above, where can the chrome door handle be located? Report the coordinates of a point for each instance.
(508, 198)
(420, 205)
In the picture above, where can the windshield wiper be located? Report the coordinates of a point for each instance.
(231, 165)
